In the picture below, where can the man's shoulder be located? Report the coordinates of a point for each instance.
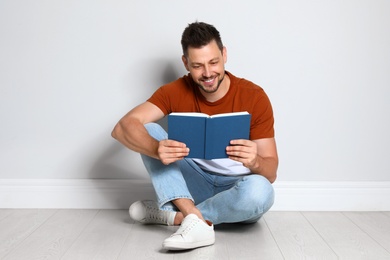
(172, 96)
(246, 88)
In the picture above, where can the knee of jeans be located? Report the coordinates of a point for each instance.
(156, 131)
(259, 193)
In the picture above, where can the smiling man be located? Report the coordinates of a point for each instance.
(195, 193)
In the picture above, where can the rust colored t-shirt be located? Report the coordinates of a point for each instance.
(183, 95)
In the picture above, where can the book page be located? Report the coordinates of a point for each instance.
(189, 114)
(230, 114)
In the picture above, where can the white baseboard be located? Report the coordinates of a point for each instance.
(119, 194)
(332, 196)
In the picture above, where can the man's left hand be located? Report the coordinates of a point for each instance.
(244, 151)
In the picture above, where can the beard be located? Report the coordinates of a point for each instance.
(210, 90)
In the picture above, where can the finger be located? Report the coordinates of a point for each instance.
(237, 154)
(168, 158)
(173, 143)
(239, 142)
(237, 149)
(178, 151)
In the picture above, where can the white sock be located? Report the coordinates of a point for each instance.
(171, 218)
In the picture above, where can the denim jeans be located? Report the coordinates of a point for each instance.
(220, 199)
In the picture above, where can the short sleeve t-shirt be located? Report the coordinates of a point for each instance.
(183, 95)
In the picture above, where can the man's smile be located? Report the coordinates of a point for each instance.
(209, 81)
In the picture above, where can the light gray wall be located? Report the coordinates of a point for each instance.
(70, 69)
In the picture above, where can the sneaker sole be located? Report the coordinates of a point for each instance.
(189, 245)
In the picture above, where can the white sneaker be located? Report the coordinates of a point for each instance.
(192, 233)
(147, 212)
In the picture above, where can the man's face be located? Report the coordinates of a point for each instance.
(206, 66)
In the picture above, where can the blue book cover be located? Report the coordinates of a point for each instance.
(207, 136)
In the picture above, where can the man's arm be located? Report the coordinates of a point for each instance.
(130, 131)
(260, 156)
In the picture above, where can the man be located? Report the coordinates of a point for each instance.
(193, 193)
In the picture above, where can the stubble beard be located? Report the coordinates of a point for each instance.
(210, 91)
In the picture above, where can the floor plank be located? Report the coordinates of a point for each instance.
(205, 253)
(145, 242)
(5, 213)
(375, 224)
(18, 225)
(248, 241)
(346, 239)
(55, 236)
(296, 238)
(103, 238)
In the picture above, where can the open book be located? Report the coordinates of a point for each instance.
(208, 136)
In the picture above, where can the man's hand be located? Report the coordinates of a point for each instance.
(170, 151)
(244, 151)
(260, 155)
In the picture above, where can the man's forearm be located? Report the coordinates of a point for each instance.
(134, 136)
(267, 167)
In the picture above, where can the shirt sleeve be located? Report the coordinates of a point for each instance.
(160, 98)
(262, 125)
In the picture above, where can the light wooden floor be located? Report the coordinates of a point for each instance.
(111, 234)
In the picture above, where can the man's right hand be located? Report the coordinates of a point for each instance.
(170, 151)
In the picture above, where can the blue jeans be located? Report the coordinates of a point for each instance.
(220, 199)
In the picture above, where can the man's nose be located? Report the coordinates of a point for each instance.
(206, 71)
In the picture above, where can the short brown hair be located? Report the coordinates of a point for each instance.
(199, 34)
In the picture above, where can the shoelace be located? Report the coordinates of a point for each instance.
(184, 229)
(154, 214)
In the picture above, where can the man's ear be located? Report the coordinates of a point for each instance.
(185, 62)
(224, 54)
